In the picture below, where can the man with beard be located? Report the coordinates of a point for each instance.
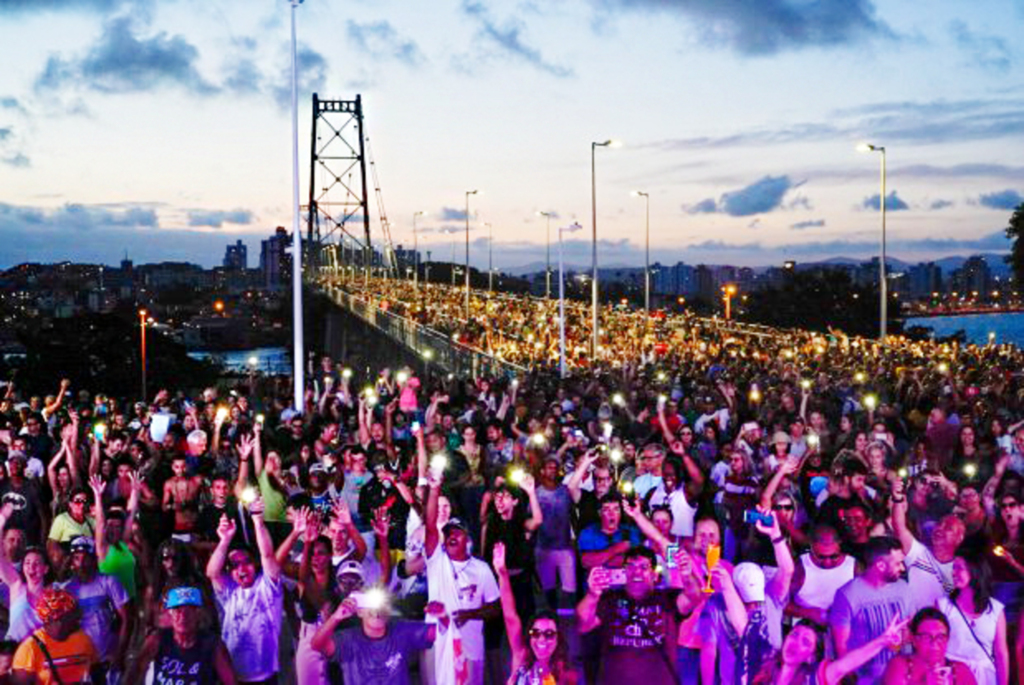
(864, 607)
(100, 597)
(251, 599)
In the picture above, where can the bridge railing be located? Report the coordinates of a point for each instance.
(432, 346)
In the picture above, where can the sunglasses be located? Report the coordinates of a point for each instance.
(79, 500)
(783, 507)
(546, 634)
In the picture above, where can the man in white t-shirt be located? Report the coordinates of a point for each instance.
(467, 589)
(929, 569)
(250, 598)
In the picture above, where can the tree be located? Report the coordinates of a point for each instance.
(1015, 232)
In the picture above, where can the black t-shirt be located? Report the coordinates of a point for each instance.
(518, 542)
(209, 519)
(586, 512)
(27, 506)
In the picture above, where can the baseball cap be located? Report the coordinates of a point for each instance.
(352, 568)
(317, 468)
(455, 523)
(749, 581)
(183, 597)
(781, 437)
(83, 544)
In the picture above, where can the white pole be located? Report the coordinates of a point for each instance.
(883, 284)
(298, 354)
(561, 309)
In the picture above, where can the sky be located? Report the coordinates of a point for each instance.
(161, 129)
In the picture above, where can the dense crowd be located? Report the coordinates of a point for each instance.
(705, 505)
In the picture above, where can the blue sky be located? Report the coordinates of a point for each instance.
(161, 127)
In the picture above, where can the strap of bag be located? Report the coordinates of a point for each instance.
(971, 628)
(49, 659)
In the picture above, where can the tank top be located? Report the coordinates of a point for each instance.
(193, 666)
(23, 619)
(120, 563)
(820, 585)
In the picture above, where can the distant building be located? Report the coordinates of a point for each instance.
(275, 262)
(236, 256)
(974, 276)
(924, 279)
(707, 286)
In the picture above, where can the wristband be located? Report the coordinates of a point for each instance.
(779, 539)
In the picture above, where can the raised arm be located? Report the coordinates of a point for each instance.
(54, 465)
(536, 515)
(575, 484)
(50, 409)
(778, 587)
(8, 573)
(264, 541)
(323, 639)
(899, 517)
(695, 477)
(836, 670)
(431, 536)
(513, 624)
(99, 530)
(586, 611)
(646, 527)
(789, 466)
(215, 566)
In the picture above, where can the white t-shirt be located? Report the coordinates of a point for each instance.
(930, 579)
(252, 626)
(461, 585)
(682, 512)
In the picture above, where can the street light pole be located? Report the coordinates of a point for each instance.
(416, 250)
(490, 258)
(883, 289)
(468, 193)
(142, 338)
(593, 207)
(561, 299)
(647, 252)
(547, 259)
(298, 353)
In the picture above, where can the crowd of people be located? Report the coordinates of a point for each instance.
(735, 506)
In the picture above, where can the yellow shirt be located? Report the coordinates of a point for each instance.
(73, 658)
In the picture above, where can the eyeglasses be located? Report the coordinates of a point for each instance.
(1008, 504)
(546, 634)
(932, 637)
(79, 500)
(783, 507)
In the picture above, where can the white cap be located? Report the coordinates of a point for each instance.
(749, 581)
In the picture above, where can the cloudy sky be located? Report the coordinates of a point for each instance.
(161, 127)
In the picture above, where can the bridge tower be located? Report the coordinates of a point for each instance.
(337, 181)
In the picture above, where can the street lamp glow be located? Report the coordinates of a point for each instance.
(254, 361)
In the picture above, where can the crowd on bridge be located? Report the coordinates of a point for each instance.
(700, 504)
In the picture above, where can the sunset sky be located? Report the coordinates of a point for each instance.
(161, 127)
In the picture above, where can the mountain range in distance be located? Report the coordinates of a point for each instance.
(946, 264)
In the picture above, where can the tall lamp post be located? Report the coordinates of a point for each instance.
(490, 258)
(547, 255)
(298, 353)
(561, 298)
(416, 250)
(142, 339)
(647, 250)
(468, 193)
(593, 208)
(882, 285)
(728, 292)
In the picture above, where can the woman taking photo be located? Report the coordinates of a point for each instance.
(543, 659)
(928, 664)
(977, 623)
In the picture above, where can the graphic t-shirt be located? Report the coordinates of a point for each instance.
(638, 638)
(72, 658)
(98, 600)
(366, 661)
(252, 626)
(556, 505)
(867, 611)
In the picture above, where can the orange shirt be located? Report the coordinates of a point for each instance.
(72, 657)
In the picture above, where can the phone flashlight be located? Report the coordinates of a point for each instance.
(248, 495)
(515, 476)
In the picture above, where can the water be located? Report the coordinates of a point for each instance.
(1009, 328)
(270, 360)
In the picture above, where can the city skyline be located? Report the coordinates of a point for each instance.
(160, 127)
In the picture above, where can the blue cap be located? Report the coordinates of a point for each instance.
(183, 597)
(817, 484)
